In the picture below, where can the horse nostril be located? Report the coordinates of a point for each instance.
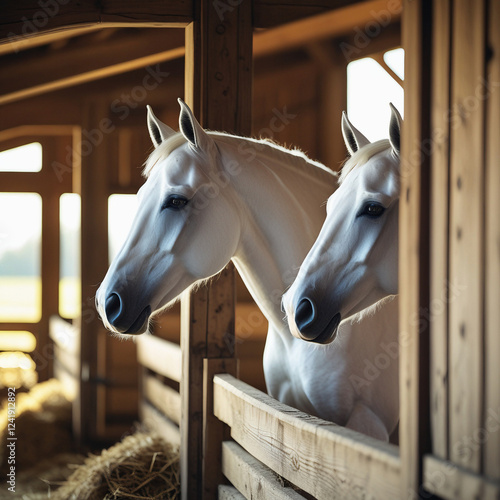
(113, 308)
(305, 314)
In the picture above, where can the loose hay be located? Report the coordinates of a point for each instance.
(42, 425)
(142, 466)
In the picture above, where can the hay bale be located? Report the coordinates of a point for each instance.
(43, 425)
(142, 466)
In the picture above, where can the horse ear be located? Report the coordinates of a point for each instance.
(353, 138)
(395, 129)
(192, 130)
(158, 130)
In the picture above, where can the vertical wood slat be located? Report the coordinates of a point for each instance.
(92, 181)
(218, 90)
(414, 247)
(215, 431)
(466, 232)
(439, 225)
(491, 457)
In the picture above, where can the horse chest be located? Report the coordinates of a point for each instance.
(308, 378)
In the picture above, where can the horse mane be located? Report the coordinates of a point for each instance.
(293, 158)
(361, 156)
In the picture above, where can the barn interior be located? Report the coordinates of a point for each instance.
(73, 141)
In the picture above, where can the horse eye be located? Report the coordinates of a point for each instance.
(372, 209)
(175, 202)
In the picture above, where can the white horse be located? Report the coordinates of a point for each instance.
(353, 264)
(211, 197)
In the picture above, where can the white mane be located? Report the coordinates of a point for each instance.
(293, 158)
(361, 156)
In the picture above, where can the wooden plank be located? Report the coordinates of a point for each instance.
(414, 432)
(68, 360)
(155, 421)
(163, 397)
(491, 457)
(466, 231)
(229, 493)
(218, 89)
(22, 22)
(161, 356)
(439, 225)
(64, 334)
(70, 384)
(335, 23)
(251, 477)
(451, 482)
(91, 178)
(215, 432)
(85, 62)
(323, 459)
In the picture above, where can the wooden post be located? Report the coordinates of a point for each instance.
(94, 198)
(466, 230)
(491, 457)
(439, 224)
(218, 90)
(414, 247)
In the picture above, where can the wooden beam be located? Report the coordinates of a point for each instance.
(367, 19)
(440, 197)
(218, 90)
(271, 13)
(40, 71)
(491, 457)
(91, 178)
(323, 459)
(466, 233)
(414, 432)
(22, 22)
(161, 356)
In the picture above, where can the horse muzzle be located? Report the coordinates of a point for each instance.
(311, 327)
(120, 318)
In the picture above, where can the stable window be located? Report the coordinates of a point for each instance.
(372, 83)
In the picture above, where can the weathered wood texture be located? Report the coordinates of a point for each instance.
(451, 482)
(414, 435)
(218, 89)
(491, 452)
(161, 356)
(252, 477)
(439, 225)
(325, 460)
(466, 231)
(465, 459)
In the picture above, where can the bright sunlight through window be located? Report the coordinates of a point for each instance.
(27, 158)
(370, 89)
(69, 266)
(121, 211)
(20, 256)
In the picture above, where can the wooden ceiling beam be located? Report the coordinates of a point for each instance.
(42, 70)
(24, 21)
(363, 16)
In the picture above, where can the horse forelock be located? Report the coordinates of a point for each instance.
(162, 151)
(362, 156)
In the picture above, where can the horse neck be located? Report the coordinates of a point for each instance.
(282, 212)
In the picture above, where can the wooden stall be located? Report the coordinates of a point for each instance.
(237, 442)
